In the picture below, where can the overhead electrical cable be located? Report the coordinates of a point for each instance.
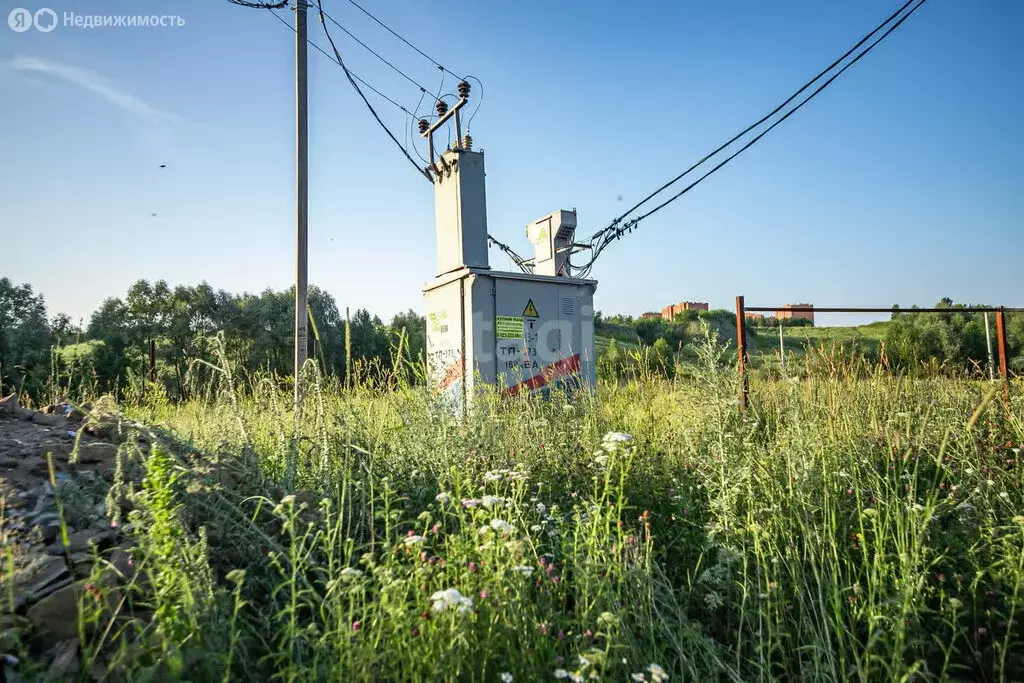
(786, 116)
(767, 116)
(369, 106)
(396, 35)
(376, 54)
(602, 238)
(335, 61)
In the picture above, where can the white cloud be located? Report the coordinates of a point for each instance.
(96, 84)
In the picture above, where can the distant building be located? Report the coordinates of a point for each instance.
(672, 310)
(753, 316)
(650, 314)
(786, 314)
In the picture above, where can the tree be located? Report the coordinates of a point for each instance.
(25, 339)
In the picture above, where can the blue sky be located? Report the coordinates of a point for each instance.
(899, 184)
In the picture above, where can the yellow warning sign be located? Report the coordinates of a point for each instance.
(530, 311)
(508, 327)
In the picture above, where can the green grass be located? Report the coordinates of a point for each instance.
(854, 340)
(853, 526)
(601, 344)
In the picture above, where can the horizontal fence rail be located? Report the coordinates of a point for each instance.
(741, 331)
(827, 309)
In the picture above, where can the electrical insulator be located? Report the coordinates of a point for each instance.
(464, 89)
(423, 126)
(467, 142)
(442, 107)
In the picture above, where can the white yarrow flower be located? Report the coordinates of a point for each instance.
(657, 673)
(506, 677)
(451, 598)
(442, 497)
(350, 572)
(501, 525)
(491, 501)
(561, 673)
(616, 437)
(413, 540)
(523, 569)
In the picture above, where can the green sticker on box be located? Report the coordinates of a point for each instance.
(508, 327)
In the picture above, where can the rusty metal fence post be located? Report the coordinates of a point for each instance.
(1001, 344)
(741, 352)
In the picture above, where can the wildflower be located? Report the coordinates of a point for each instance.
(535, 528)
(561, 673)
(473, 567)
(413, 540)
(523, 569)
(541, 508)
(491, 501)
(601, 460)
(470, 502)
(493, 475)
(483, 595)
(356, 625)
(615, 438)
(584, 662)
(870, 512)
(576, 677)
(969, 470)
(288, 500)
(638, 677)
(506, 677)
(594, 676)
(1004, 495)
(436, 528)
(501, 525)
(657, 673)
(451, 598)
(349, 572)
(990, 482)
(442, 497)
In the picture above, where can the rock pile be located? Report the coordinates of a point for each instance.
(58, 514)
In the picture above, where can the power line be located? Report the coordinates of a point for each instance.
(376, 54)
(369, 106)
(334, 60)
(786, 116)
(767, 116)
(604, 237)
(260, 5)
(392, 32)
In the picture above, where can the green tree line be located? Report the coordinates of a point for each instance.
(255, 331)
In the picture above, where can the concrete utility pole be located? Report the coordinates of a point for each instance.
(991, 359)
(301, 223)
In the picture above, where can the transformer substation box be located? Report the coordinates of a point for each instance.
(520, 332)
